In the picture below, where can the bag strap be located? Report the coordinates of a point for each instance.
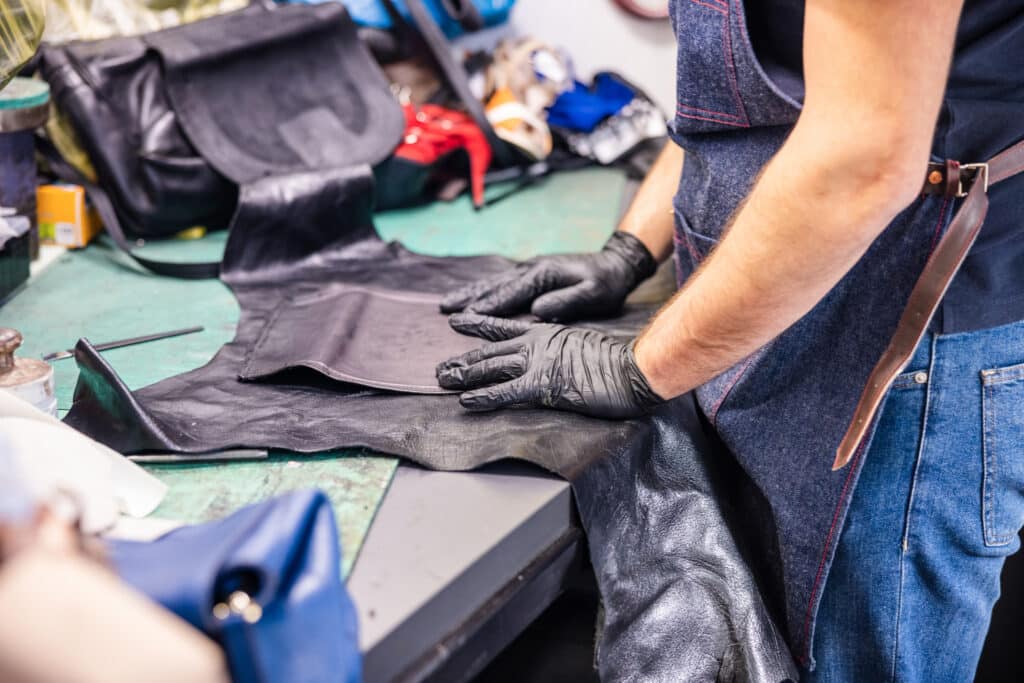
(454, 74)
(201, 270)
(931, 285)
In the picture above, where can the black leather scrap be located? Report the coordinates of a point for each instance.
(177, 122)
(681, 602)
(655, 495)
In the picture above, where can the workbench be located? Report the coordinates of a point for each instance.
(454, 565)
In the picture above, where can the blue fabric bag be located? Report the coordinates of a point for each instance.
(582, 108)
(449, 14)
(264, 582)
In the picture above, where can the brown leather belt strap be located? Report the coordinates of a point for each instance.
(931, 286)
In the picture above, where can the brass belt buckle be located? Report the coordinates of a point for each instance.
(980, 171)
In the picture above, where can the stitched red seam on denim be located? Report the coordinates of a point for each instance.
(938, 225)
(716, 6)
(728, 390)
(742, 120)
(730, 66)
(708, 111)
(805, 654)
(685, 240)
(705, 118)
(724, 3)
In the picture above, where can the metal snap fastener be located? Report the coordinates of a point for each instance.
(935, 177)
(221, 611)
(238, 601)
(921, 377)
(252, 613)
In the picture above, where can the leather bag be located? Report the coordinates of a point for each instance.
(177, 121)
(265, 583)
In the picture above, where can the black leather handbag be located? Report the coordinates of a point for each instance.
(177, 122)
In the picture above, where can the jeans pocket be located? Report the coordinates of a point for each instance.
(1003, 448)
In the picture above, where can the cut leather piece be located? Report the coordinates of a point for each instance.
(338, 333)
(336, 111)
(645, 487)
(672, 526)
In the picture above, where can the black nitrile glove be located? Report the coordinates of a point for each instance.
(539, 364)
(562, 288)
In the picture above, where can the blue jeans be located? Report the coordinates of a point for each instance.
(936, 512)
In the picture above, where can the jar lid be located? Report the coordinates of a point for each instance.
(24, 104)
(22, 93)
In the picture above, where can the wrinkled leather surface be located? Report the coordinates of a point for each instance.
(112, 93)
(297, 89)
(666, 522)
(348, 346)
(681, 602)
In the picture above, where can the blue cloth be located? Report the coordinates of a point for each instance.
(284, 553)
(937, 510)
(783, 411)
(983, 113)
(582, 108)
(372, 13)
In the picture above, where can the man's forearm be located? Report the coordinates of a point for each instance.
(649, 217)
(782, 254)
(875, 74)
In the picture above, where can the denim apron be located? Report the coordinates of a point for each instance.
(783, 411)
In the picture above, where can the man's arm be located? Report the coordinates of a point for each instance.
(875, 74)
(650, 215)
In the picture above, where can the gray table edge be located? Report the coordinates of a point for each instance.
(441, 545)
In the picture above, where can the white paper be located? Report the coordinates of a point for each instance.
(11, 227)
(48, 450)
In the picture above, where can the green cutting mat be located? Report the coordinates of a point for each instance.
(564, 213)
(355, 481)
(99, 294)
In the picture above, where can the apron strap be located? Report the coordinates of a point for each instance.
(949, 179)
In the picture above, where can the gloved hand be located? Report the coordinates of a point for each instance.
(562, 288)
(540, 364)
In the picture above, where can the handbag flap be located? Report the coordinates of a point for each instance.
(275, 91)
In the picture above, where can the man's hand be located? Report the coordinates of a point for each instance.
(562, 288)
(534, 364)
(570, 287)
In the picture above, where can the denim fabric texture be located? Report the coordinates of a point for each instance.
(982, 114)
(783, 411)
(937, 510)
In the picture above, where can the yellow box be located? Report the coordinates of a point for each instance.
(65, 216)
